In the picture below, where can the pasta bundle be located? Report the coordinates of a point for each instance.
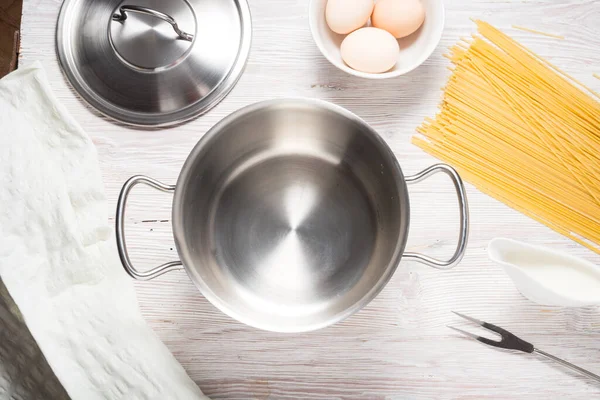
(521, 131)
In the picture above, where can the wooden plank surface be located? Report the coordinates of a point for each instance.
(10, 21)
(398, 347)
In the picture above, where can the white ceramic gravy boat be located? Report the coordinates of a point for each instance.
(545, 276)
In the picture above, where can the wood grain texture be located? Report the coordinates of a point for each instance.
(10, 21)
(398, 346)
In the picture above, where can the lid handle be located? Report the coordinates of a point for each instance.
(122, 16)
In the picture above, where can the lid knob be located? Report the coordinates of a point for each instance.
(122, 16)
(146, 42)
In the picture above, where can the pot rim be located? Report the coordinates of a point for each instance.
(186, 170)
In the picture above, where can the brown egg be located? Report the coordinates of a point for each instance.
(398, 17)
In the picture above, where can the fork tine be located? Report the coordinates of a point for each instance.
(469, 334)
(481, 339)
(475, 320)
(508, 340)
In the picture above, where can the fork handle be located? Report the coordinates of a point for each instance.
(568, 364)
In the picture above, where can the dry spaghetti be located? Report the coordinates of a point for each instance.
(552, 35)
(522, 131)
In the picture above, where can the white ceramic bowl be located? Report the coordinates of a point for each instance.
(414, 49)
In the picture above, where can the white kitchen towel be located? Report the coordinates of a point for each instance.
(58, 258)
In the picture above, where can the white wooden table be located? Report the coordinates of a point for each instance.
(398, 347)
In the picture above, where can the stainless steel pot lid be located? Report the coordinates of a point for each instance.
(153, 62)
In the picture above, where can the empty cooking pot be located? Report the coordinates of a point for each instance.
(290, 215)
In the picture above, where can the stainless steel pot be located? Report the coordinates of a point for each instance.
(291, 215)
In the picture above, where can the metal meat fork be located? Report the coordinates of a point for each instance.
(512, 342)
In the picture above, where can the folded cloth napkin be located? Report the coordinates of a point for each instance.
(58, 258)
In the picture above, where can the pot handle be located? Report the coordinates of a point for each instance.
(464, 217)
(120, 230)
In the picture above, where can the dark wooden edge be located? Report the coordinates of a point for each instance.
(14, 61)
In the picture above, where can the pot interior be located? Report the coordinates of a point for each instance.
(291, 215)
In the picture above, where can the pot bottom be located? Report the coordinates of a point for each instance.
(292, 232)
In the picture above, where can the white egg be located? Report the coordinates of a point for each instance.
(370, 50)
(345, 16)
(398, 17)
